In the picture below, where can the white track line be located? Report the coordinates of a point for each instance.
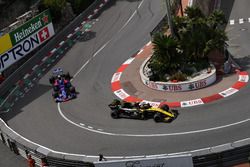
(130, 18)
(149, 135)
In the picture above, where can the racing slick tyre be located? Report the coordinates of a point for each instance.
(165, 107)
(52, 80)
(72, 89)
(157, 117)
(55, 95)
(56, 88)
(144, 115)
(115, 114)
(68, 85)
(67, 76)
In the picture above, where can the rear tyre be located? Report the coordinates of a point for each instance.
(56, 88)
(165, 107)
(55, 95)
(115, 114)
(144, 115)
(72, 89)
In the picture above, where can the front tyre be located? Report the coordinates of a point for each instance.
(157, 117)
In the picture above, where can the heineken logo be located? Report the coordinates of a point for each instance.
(30, 27)
(28, 31)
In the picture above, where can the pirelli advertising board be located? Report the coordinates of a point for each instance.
(21, 41)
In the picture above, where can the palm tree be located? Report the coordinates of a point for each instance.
(166, 57)
(195, 36)
(194, 12)
(217, 18)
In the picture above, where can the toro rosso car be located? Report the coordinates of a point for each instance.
(62, 88)
(142, 111)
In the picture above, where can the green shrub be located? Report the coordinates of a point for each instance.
(179, 76)
(80, 5)
(55, 6)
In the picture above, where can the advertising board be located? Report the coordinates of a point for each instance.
(21, 41)
(181, 86)
(168, 161)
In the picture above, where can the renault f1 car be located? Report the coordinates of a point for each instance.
(142, 111)
(62, 88)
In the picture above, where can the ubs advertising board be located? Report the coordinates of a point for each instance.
(21, 41)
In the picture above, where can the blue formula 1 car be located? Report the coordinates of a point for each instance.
(62, 87)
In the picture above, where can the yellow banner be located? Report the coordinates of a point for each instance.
(5, 43)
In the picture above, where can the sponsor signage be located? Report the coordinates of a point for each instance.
(116, 77)
(21, 41)
(121, 94)
(5, 43)
(182, 86)
(228, 92)
(191, 103)
(21, 49)
(153, 104)
(243, 78)
(170, 161)
(30, 27)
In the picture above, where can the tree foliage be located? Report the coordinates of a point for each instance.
(194, 37)
(55, 6)
(80, 5)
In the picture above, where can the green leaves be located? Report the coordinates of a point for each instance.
(195, 36)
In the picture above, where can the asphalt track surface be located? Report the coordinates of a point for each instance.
(84, 125)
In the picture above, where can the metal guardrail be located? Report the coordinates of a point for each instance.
(229, 157)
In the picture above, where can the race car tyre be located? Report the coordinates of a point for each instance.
(52, 80)
(165, 107)
(56, 88)
(157, 117)
(67, 76)
(68, 85)
(115, 114)
(72, 89)
(55, 94)
(144, 115)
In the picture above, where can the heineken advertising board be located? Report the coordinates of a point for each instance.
(21, 41)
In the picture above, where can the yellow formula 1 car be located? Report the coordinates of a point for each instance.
(142, 111)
